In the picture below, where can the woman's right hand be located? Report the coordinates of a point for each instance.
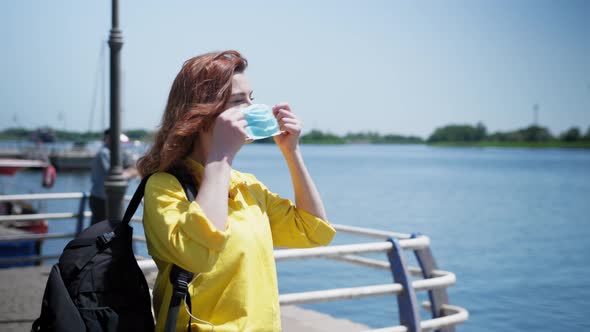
(229, 134)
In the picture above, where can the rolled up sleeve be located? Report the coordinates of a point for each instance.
(178, 231)
(291, 226)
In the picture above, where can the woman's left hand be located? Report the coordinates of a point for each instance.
(290, 125)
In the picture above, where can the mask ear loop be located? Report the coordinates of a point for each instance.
(189, 313)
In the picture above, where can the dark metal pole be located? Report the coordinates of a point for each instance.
(115, 184)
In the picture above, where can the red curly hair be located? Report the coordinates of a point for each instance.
(199, 93)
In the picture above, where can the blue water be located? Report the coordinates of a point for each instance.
(512, 224)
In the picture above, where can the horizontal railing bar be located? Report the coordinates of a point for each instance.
(340, 294)
(399, 328)
(29, 236)
(374, 233)
(457, 315)
(35, 197)
(440, 278)
(286, 254)
(417, 272)
(420, 242)
(22, 163)
(53, 215)
(383, 265)
(444, 280)
(363, 261)
(363, 248)
(10, 260)
(38, 216)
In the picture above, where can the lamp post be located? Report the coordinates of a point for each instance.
(115, 184)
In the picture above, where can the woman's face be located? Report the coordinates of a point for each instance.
(241, 93)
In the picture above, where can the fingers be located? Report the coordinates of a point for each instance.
(233, 118)
(281, 106)
(292, 128)
(290, 125)
(233, 114)
(288, 121)
(284, 120)
(284, 114)
(242, 123)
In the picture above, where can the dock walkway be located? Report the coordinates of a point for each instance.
(21, 291)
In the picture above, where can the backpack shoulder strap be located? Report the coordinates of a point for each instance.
(135, 200)
(186, 180)
(179, 277)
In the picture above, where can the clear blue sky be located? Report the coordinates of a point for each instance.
(402, 67)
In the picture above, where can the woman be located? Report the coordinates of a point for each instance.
(226, 235)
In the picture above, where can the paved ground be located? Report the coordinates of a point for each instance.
(21, 290)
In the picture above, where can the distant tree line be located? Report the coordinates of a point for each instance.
(313, 137)
(319, 137)
(478, 133)
(451, 133)
(49, 135)
(376, 138)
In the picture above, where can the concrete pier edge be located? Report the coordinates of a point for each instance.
(21, 291)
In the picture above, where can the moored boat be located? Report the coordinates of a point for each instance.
(23, 226)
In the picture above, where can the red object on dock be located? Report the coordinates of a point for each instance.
(11, 166)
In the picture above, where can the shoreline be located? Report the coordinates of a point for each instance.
(534, 145)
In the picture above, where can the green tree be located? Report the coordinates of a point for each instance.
(459, 133)
(15, 134)
(571, 135)
(318, 137)
(137, 134)
(536, 134)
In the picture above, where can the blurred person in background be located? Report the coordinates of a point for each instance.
(100, 168)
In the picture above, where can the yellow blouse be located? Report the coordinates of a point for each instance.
(237, 290)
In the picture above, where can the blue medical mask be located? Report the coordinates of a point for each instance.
(261, 121)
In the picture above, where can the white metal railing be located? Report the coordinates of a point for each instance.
(454, 315)
(37, 216)
(27, 237)
(437, 280)
(322, 252)
(44, 197)
(378, 234)
(36, 197)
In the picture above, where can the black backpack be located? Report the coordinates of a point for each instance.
(97, 284)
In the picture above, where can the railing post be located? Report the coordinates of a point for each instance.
(407, 303)
(438, 296)
(81, 209)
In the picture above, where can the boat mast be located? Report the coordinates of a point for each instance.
(99, 86)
